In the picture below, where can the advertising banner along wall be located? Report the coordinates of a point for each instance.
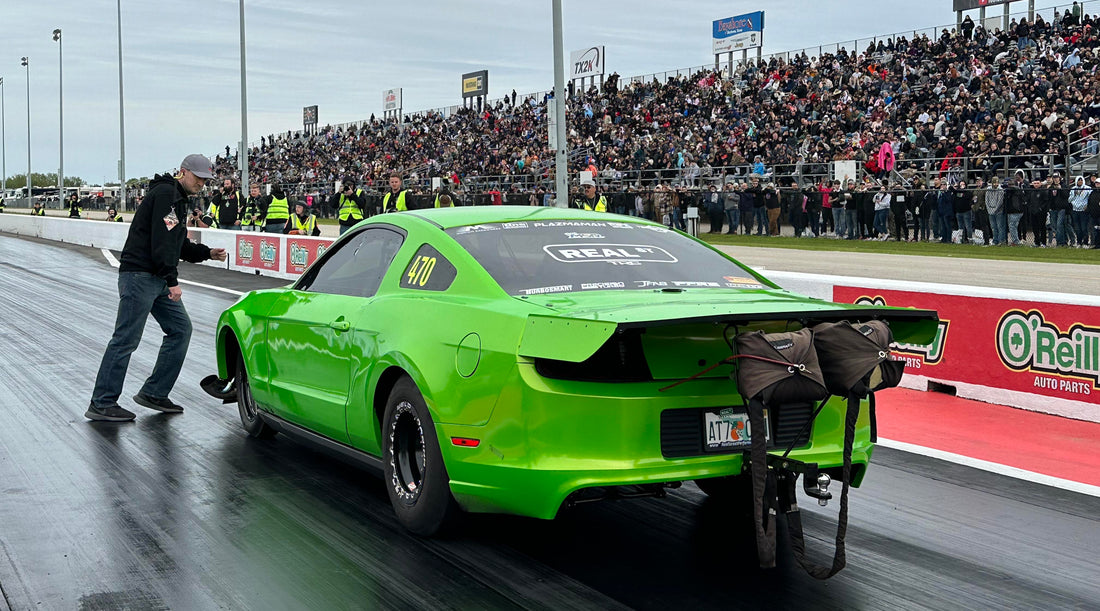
(737, 33)
(1046, 349)
(258, 251)
(586, 62)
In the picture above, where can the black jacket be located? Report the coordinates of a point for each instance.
(1015, 199)
(158, 233)
(1038, 201)
(229, 208)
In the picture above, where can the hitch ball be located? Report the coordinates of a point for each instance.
(823, 481)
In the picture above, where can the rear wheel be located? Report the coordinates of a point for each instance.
(254, 425)
(416, 478)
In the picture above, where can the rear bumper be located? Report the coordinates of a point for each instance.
(549, 438)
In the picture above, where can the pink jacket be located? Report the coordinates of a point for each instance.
(886, 157)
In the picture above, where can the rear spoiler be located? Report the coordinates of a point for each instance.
(576, 339)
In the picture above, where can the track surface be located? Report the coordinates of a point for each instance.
(185, 512)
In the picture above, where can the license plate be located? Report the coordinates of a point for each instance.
(729, 429)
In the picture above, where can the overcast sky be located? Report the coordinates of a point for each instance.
(182, 62)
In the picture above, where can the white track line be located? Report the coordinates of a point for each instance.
(114, 263)
(992, 467)
(958, 459)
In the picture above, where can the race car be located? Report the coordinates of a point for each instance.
(519, 359)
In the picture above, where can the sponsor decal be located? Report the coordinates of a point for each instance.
(782, 344)
(514, 225)
(1047, 349)
(698, 284)
(602, 285)
(645, 284)
(737, 282)
(584, 236)
(569, 224)
(476, 229)
(171, 220)
(542, 290)
(617, 254)
(586, 62)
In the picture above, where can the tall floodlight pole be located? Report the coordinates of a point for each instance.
(30, 194)
(561, 171)
(60, 120)
(3, 144)
(121, 117)
(242, 150)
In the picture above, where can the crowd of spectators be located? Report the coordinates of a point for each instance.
(971, 104)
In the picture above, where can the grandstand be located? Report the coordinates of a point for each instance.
(925, 94)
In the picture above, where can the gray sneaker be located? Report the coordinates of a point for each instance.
(113, 413)
(161, 405)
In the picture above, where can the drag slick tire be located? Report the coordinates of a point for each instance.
(413, 470)
(253, 424)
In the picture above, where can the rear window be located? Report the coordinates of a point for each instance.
(541, 257)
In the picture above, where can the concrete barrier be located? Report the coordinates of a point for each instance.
(1033, 350)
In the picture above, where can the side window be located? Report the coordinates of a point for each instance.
(357, 267)
(428, 271)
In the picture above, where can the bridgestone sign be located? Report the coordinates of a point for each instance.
(586, 62)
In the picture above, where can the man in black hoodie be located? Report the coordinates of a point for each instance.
(148, 284)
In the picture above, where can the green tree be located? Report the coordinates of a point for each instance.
(43, 180)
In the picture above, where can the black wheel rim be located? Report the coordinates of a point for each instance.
(248, 406)
(407, 456)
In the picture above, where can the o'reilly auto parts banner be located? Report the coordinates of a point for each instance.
(737, 33)
(586, 62)
(1044, 349)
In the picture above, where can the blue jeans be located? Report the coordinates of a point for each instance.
(881, 217)
(1014, 227)
(965, 221)
(1058, 223)
(853, 223)
(734, 217)
(249, 228)
(274, 226)
(141, 294)
(997, 222)
(1082, 226)
(841, 223)
(761, 216)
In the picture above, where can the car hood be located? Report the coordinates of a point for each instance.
(574, 325)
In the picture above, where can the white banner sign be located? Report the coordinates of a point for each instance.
(738, 33)
(586, 62)
(391, 99)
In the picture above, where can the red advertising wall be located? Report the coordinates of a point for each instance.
(1040, 348)
(258, 251)
(302, 252)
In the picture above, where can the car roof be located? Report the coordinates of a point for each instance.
(475, 215)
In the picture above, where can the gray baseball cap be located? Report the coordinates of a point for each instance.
(588, 182)
(198, 165)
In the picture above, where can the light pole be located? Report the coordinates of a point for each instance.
(242, 150)
(121, 118)
(60, 120)
(561, 169)
(3, 144)
(30, 194)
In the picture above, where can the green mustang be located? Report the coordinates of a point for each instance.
(515, 359)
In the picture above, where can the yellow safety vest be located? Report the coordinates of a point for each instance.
(349, 209)
(213, 212)
(307, 227)
(277, 210)
(34, 212)
(77, 210)
(118, 218)
(601, 204)
(451, 205)
(400, 201)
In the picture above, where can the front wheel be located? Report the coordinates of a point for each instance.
(254, 425)
(416, 478)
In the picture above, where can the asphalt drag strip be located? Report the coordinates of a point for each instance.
(186, 512)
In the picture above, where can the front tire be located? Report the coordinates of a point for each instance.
(413, 470)
(253, 424)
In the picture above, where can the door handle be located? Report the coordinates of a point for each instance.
(340, 324)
